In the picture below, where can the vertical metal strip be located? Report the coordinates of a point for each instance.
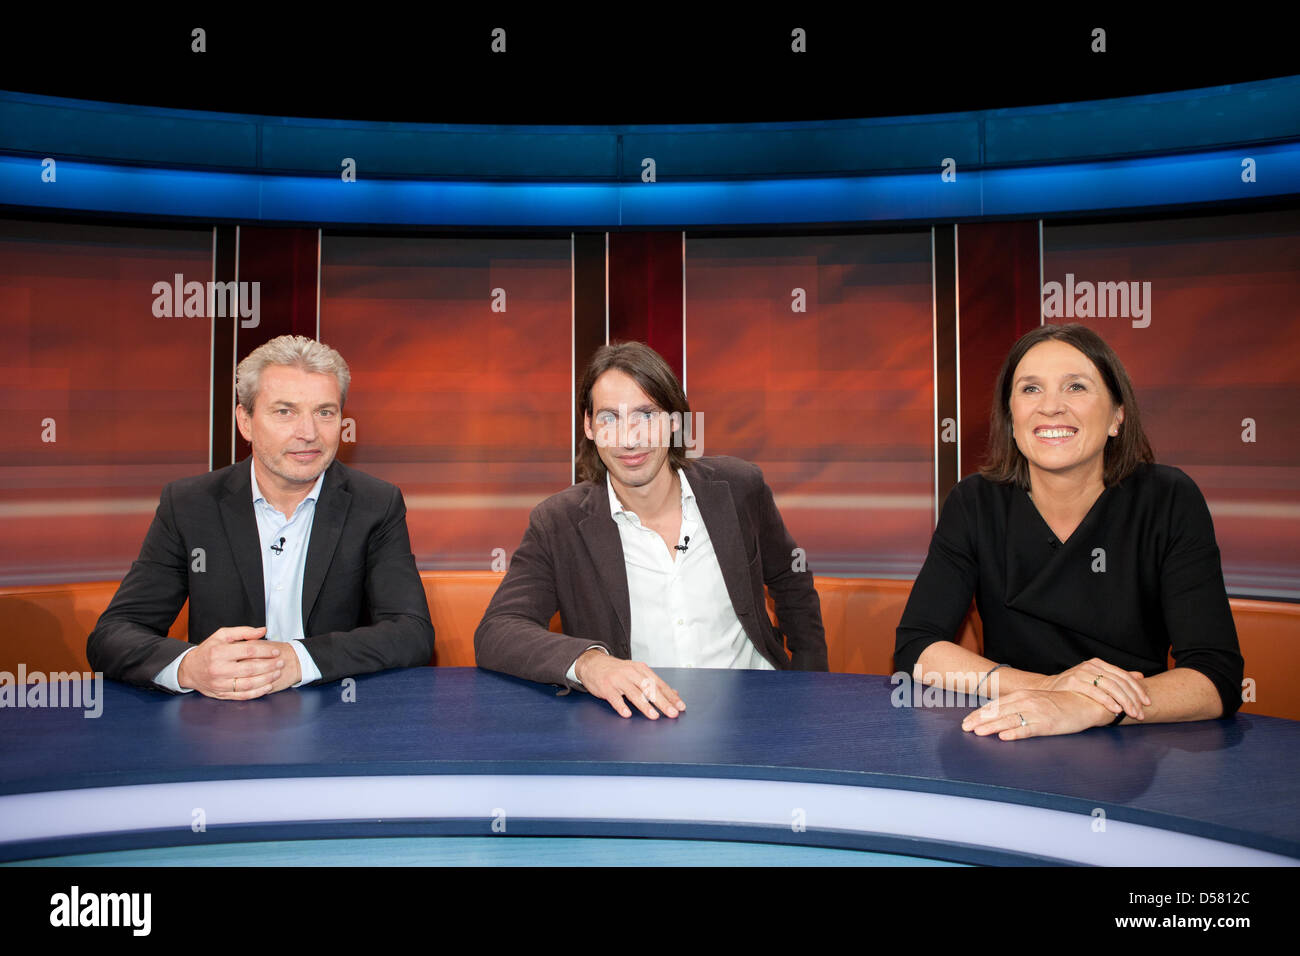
(934, 359)
(318, 246)
(1042, 319)
(573, 360)
(234, 347)
(684, 312)
(956, 307)
(212, 347)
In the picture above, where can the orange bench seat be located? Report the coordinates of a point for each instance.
(45, 628)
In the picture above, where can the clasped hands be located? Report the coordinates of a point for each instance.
(233, 663)
(1090, 694)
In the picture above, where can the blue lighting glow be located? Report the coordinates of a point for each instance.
(1184, 179)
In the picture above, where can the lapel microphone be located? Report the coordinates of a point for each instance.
(277, 548)
(686, 541)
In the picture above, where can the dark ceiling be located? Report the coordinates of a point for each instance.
(655, 69)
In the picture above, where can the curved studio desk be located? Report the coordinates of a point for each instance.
(775, 758)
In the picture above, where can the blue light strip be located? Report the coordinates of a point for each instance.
(1184, 179)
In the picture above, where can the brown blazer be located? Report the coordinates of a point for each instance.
(571, 560)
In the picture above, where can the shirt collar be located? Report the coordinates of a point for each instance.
(616, 507)
(311, 495)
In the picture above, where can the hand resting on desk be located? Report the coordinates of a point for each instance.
(1090, 694)
(612, 679)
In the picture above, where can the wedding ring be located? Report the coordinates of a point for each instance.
(1022, 719)
(1097, 678)
(234, 686)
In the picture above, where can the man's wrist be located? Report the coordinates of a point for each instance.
(586, 655)
(169, 676)
(308, 672)
(182, 675)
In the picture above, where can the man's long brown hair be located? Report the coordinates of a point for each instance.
(647, 368)
(1004, 461)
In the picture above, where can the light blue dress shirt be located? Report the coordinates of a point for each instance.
(282, 577)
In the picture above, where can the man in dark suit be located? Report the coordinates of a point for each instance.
(288, 545)
(653, 559)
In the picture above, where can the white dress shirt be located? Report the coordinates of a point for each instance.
(681, 612)
(282, 578)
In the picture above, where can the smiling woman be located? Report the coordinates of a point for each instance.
(1052, 380)
(1088, 562)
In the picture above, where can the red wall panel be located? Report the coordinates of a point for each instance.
(283, 263)
(466, 408)
(998, 302)
(1222, 346)
(835, 403)
(645, 292)
(127, 392)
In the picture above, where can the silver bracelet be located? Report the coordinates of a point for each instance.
(984, 678)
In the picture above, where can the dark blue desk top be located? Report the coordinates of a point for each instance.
(1236, 780)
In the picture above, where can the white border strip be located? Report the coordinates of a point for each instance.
(940, 818)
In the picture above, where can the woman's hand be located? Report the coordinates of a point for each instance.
(1109, 686)
(1036, 713)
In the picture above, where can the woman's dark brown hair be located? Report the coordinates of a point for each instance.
(648, 369)
(1004, 461)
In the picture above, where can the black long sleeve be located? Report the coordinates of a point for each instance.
(1139, 576)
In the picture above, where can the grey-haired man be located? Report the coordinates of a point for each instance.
(289, 545)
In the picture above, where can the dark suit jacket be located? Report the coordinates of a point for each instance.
(363, 606)
(571, 560)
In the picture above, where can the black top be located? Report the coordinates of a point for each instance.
(1140, 574)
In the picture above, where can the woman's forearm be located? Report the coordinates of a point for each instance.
(1177, 695)
(955, 668)
(1180, 694)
